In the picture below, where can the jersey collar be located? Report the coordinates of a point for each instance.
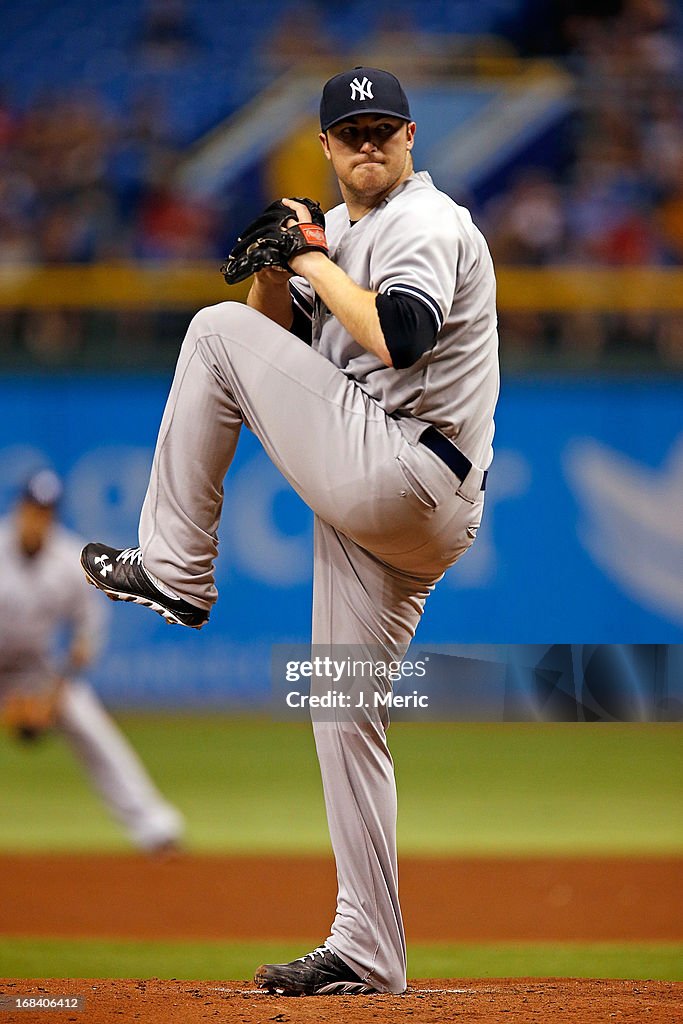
(423, 176)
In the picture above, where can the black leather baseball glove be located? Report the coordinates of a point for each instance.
(268, 242)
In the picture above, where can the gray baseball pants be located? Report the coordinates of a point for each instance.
(390, 517)
(112, 766)
(115, 770)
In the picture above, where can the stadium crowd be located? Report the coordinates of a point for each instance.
(80, 183)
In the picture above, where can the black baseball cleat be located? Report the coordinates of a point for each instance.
(121, 575)
(320, 973)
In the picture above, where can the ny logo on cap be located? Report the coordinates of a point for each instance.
(361, 90)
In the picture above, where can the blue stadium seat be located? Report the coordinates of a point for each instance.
(52, 45)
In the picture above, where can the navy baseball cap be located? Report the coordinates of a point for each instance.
(362, 91)
(43, 488)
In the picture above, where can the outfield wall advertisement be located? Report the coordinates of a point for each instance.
(582, 539)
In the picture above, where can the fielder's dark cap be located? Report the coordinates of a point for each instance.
(362, 91)
(43, 488)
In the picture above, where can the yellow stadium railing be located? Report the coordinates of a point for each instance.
(115, 286)
(190, 286)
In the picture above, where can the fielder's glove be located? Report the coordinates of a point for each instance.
(29, 716)
(268, 242)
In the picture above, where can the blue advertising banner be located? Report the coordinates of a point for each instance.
(582, 539)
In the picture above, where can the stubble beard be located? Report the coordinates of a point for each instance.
(372, 195)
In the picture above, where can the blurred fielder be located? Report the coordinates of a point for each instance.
(42, 593)
(382, 421)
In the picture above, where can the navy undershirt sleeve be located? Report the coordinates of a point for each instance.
(408, 327)
(302, 325)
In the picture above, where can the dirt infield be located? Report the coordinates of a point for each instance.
(456, 899)
(526, 1001)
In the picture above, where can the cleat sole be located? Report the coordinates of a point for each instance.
(117, 595)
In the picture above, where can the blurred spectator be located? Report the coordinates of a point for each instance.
(167, 34)
(527, 224)
(671, 222)
(80, 229)
(172, 227)
(610, 204)
(299, 34)
(17, 197)
(140, 155)
(62, 144)
(8, 119)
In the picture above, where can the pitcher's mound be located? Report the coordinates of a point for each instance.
(499, 1000)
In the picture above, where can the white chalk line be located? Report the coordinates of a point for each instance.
(410, 992)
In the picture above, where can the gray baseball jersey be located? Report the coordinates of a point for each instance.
(420, 243)
(390, 514)
(39, 597)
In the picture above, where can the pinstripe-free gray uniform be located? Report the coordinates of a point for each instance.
(420, 243)
(39, 597)
(390, 516)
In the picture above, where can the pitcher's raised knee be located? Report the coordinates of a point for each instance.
(226, 319)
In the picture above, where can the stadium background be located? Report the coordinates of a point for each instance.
(135, 139)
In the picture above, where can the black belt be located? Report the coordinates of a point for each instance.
(448, 453)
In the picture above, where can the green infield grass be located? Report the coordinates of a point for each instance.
(253, 785)
(89, 958)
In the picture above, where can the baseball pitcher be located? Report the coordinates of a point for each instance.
(365, 361)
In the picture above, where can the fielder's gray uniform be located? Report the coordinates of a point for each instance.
(390, 516)
(38, 597)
